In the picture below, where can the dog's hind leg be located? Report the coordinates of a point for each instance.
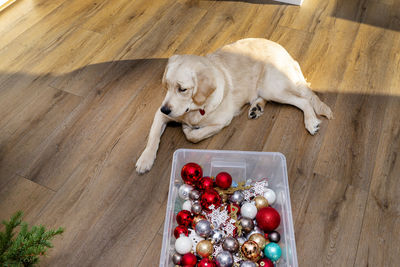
(319, 107)
(256, 108)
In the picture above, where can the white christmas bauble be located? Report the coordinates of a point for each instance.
(270, 196)
(187, 205)
(248, 210)
(184, 190)
(183, 245)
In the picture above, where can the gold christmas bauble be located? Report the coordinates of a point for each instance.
(260, 202)
(251, 250)
(259, 239)
(204, 248)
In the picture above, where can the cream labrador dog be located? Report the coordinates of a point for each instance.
(205, 93)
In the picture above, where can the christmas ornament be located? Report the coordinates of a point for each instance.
(205, 183)
(210, 197)
(195, 238)
(241, 240)
(260, 202)
(196, 208)
(231, 205)
(260, 187)
(184, 190)
(196, 219)
(237, 197)
(179, 230)
(234, 209)
(223, 180)
(259, 239)
(217, 236)
(273, 251)
(230, 244)
(183, 245)
(274, 236)
(251, 250)
(204, 248)
(194, 194)
(189, 259)
(187, 205)
(184, 218)
(206, 263)
(191, 173)
(247, 264)
(270, 196)
(265, 262)
(256, 230)
(268, 219)
(224, 197)
(231, 190)
(247, 225)
(203, 228)
(177, 259)
(248, 210)
(224, 259)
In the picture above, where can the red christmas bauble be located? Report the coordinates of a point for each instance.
(230, 208)
(191, 173)
(210, 197)
(189, 259)
(223, 180)
(206, 263)
(265, 262)
(180, 229)
(184, 217)
(205, 183)
(268, 219)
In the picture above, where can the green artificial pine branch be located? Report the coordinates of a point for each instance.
(25, 249)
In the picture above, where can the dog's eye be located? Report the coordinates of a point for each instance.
(180, 89)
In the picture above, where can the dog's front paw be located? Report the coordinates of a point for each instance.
(312, 125)
(145, 162)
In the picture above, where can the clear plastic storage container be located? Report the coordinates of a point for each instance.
(242, 166)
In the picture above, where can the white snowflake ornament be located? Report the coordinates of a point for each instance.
(195, 239)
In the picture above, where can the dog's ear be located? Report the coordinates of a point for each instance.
(170, 60)
(205, 85)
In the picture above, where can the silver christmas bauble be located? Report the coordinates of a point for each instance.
(230, 244)
(241, 240)
(217, 236)
(237, 197)
(224, 259)
(177, 258)
(184, 191)
(203, 228)
(187, 205)
(194, 194)
(196, 208)
(256, 230)
(247, 225)
(247, 264)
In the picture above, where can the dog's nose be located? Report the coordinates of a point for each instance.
(166, 110)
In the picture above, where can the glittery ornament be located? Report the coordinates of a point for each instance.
(234, 209)
(184, 218)
(230, 244)
(260, 187)
(204, 248)
(268, 219)
(203, 228)
(274, 236)
(205, 183)
(259, 239)
(194, 194)
(184, 191)
(231, 190)
(206, 263)
(237, 197)
(189, 259)
(191, 173)
(177, 259)
(196, 208)
(183, 244)
(260, 202)
(251, 250)
(210, 197)
(224, 259)
(223, 180)
(273, 251)
(247, 264)
(179, 230)
(265, 262)
(247, 224)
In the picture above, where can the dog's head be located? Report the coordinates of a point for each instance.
(189, 81)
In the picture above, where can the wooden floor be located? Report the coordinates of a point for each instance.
(80, 82)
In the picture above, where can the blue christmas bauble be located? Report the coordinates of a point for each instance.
(272, 251)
